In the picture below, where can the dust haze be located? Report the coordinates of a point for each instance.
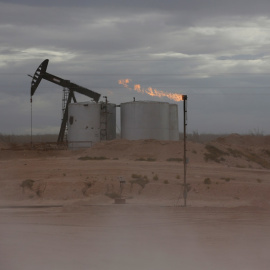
(57, 209)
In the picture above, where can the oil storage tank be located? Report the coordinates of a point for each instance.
(149, 120)
(89, 123)
(173, 122)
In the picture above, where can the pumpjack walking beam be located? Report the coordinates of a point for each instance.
(42, 74)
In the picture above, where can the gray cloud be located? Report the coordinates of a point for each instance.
(215, 52)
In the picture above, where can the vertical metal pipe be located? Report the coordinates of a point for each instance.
(31, 122)
(185, 150)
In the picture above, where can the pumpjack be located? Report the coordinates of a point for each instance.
(66, 84)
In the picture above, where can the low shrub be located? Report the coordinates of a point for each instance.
(134, 175)
(146, 159)
(207, 181)
(267, 152)
(175, 159)
(28, 183)
(113, 195)
(139, 179)
(214, 153)
(258, 159)
(92, 158)
(234, 152)
(227, 179)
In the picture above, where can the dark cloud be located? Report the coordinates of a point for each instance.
(221, 7)
(216, 52)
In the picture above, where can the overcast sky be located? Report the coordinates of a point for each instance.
(215, 52)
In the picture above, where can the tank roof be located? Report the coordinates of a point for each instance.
(145, 101)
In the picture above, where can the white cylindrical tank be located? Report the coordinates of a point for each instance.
(146, 120)
(173, 120)
(83, 124)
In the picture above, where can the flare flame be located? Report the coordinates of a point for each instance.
(150, 91)
(124, 82)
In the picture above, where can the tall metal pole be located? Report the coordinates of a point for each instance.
(31, 122)
(185, 150)
(31, 116)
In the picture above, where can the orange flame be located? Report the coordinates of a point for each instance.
(150, 91)
(124, 82)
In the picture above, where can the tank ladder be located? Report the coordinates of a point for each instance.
(64, 105)
(103, 121)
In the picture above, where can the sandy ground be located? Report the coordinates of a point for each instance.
(57, 211)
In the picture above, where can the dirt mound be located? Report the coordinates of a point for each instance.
(244, 151)
(244, 140)
(232, 169)
(141, 149)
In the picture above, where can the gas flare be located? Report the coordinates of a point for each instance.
(124, 82)
(150, 91)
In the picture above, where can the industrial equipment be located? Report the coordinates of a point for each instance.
(72, 87)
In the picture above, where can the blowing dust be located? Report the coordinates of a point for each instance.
(133, 237)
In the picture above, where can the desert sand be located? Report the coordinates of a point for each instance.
(57, 207)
